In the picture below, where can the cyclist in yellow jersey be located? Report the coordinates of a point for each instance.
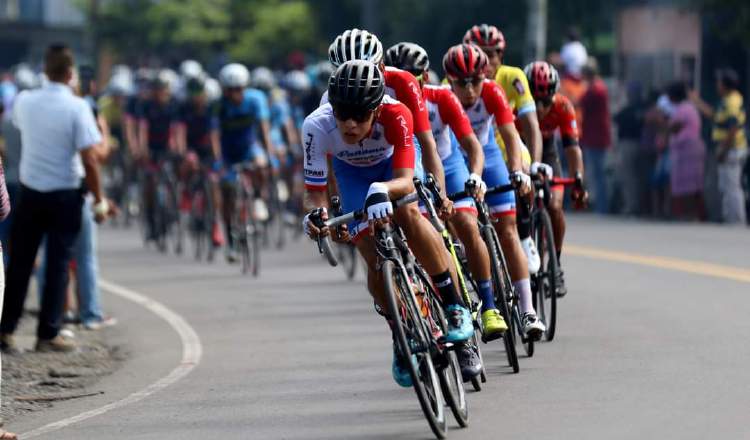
(515, 85)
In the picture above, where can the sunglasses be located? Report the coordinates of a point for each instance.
(357, 115)
(468, 81)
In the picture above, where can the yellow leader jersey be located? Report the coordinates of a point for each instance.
(516, 87)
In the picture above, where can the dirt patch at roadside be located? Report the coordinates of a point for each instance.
(36, 381)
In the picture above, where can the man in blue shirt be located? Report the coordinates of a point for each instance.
(243, 115)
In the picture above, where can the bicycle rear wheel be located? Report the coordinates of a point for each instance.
(411, 338)
(503, 293)
(545, 281)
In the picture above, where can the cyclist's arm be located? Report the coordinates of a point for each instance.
(431, 158)
(315, 165)
(402, 183)
(265, 136)
(569, 135)
(215, 144)
(512, 145)
(181, 136)
(470, 144)
(290, 130)
(399, 131)
(575, 160)
(104, 148)
(142, 137)
(533, 136)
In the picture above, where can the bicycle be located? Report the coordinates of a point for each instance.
(202, 214)
(418, 323)
(506, 297)
(164, 224)
(459, 259)
(544, 282)
(246, 234)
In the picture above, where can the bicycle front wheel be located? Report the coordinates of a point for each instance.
(413, 346)
(545, 280)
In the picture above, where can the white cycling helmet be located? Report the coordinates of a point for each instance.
(234, 75)
(297, 81)
(213, 89)
(191, 69)
(171, 78)
(262, 78)
(355, 44)
(120, 85)
(25, 78)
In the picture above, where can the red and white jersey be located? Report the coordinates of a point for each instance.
(392, 135)
(445, 112)
(492, 107)
(403, 86)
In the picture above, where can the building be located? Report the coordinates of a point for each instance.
(27, 27)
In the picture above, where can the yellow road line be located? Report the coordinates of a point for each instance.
(695, 267)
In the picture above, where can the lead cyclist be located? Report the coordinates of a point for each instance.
(369, 137)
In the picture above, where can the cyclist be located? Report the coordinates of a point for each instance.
(485, 103)
(556, 112)
(243, 114)
(112, 107)
(198, 137)
(157, 121)
(298, 85)
(446, 112)
(370, 139)
(513, 82)
(356, 44)
(143, 79)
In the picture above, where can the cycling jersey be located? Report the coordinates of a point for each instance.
(492, 107)
(238, 122)
(404, 87)
(161, 119)
(516, 87)
(281, 113)
(199, 124)
(561, 116)
(445, 111)
(389, 146)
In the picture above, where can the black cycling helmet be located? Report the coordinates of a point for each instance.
(408, 56)
(195, 86)
(356, 86)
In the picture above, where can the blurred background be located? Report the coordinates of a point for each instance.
(640, 46)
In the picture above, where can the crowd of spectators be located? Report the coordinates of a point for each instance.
(649, 157)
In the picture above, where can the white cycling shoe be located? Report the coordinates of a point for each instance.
(532, 255)
(260, 209)
(532, 326)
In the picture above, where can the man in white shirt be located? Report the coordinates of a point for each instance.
(58, 133)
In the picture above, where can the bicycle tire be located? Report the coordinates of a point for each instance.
(546, 279)
(501, 295)
(433, 405)
(451, 380)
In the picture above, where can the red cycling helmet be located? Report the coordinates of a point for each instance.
(464, 61)
(486, 37)
(544, 80)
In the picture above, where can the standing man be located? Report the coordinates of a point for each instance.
(730, 143)
(58, 133)
(596, 133)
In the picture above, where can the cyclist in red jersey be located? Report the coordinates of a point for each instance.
(356, 44)
(556, 113)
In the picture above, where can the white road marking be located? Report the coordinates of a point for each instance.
(192, 351)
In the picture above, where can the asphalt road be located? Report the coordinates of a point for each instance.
(641, 351)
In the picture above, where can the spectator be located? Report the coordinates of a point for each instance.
(573, 53)
(687, 154)
(58, 132)
(24, 80)
(4, 211)
(86, 269)
(654, 142)
(730, 143)
(596, 138)
(632, 167)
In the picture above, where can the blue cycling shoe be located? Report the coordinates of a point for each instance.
(460, 324)
(401, 371)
